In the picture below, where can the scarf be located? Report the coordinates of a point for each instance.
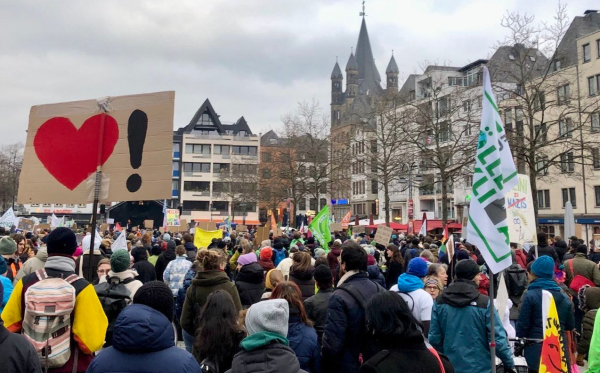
(60, 263)
(346, 276)
(544, 284)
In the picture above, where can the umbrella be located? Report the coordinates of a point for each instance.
(569, 220)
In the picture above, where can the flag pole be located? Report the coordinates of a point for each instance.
(492, 324)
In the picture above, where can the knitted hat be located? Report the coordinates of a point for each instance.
(167, 237)
(319, 252)
(323, 273)
(417, 267)
(265, 243)
(371, 260)
(338, 241)
(266, 253)
(119, 261)
(62, 241)
(267, 316)
(8, 246)
(157, 295)
(431, 280)
(3, 266)
(543, 267)
(269, 278)
(466, 269)
(247, 259)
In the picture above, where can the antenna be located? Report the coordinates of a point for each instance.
(363, 14)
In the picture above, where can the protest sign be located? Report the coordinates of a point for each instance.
(183, 225)
(110, 221)
(41, 227)
(8, 219)
(26, 225)
(173, 217)
(64, 146)
(241, 228)
(335, 227)
(346, 220)
(148, 224)
(161, 230)
(206, 225)
(383, 235)
(203, 238)
(521, 215)
(74, 226)
(358, 229)
(262, 233)
(103, 228)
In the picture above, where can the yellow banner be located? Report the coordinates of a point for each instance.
(552, 359)
(203, 238)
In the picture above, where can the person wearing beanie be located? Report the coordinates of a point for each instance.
(142, 266)
(250, 279)
(410, 288)
(374, 272)
(320, 253)
(5, 283)
(89, 322)
(316, 306)
(164, 259)
(530, 322)
(462, 311)
(8, 249)
(120, 272)
(433, 286)
(266, 253)
(143, 338)
(543, 249)
(266, 349)
(273, 278)
(154, 254)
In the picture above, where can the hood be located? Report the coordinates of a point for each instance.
(408, 283)
(260, 339)
(210, 278)
(171, 245)
(304, 276)
(128, 273)
(140, 328)
(169, 255)
(42, 254)
(336, 251)
(460, 293)
(189, 246)
(373, 271)
(592, 298)
(252, 273)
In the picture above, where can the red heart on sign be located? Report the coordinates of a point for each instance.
(71, 154)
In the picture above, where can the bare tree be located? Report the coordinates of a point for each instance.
(544, 110)
(11, 161)
(240, 186)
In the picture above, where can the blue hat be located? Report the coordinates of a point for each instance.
(417, 267)
(543, 267)
(3, 266)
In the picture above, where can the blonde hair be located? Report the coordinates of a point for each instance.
(247, 246)
(210, 260)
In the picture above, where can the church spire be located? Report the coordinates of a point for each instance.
(337, 72)
(368, 76)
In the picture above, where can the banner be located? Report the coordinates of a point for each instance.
(553, 358)
(495, 174)
(521, 216)
(204, 238)
(8, 219)
(346, 219)
(319, 227)
(120, 243)
(173, 217)
(423, 231)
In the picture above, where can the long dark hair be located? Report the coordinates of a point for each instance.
(291, 292)
(396, 254)
(389, 319)
(217, 326)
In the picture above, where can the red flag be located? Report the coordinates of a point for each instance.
(118, 227)
(346, 220)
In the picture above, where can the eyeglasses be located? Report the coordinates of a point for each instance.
(432, 287)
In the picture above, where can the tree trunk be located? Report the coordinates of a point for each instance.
(533, 184)
(386, 192)
(444, 200)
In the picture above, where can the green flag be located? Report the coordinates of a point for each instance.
(319, 227)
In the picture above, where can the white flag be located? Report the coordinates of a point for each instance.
(120, 243)
(8, 219)
(423, 231)
(54, 223)
(87, 240)
(495, 174)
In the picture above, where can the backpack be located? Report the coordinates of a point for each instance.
(49, 304)
(279, 256)
(516, 281)
(114, 297)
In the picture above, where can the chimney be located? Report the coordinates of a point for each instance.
(589, 11)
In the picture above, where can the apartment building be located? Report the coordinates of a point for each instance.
(215, 169)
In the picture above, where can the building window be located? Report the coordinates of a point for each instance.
(469, 181)
(222, 149)
(175, 185)
(592, 88)
(541, 133)
(596, 158)
(595, 121)
(598, 47)
(266, 174)
(568, 194)
(445, 130)
(195, 205)
(597, 192)
(197, 149)
(220, 187)
(374, 165)
(374, 187)
(313, 204)
(244, 150)
(302, 204)
(566, 162)
(196, 167)
(302, 171)
(564, 94)
(250, 169)
(322, 203)
(196, 186)
(543, 199)
(557, 65)
(539, 102)
(220, 168)
(220, 206)
(565, 127)
(266, 156)
(466, 106)
(542, 165)
(587, 53)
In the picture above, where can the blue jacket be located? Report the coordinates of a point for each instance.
(143, 341)
(303, 340)
(187, 281)
(344, 337)
(529, 323)
(375, 275)
(460, 329)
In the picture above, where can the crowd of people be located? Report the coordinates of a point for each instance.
(285, 304)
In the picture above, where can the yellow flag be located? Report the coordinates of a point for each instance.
(203, 238)
(553, 359)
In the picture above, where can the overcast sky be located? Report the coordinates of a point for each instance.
(256, 58)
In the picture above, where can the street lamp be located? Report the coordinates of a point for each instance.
(210, 207)
(377, 207)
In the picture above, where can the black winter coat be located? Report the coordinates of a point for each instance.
(316, 310)
(305, 281)
(250, 284)
(162, 262)
(393, 271)
(274, 357)
(146, 271)
(375, 275)
(542, 250)
(344, 338)
(406, 358)
(191, 251)
(16, 353)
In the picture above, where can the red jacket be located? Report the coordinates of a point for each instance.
(521, 258)
(484, 285)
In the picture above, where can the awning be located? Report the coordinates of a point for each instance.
(433, 225)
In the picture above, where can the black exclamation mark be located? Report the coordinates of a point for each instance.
(136, 136)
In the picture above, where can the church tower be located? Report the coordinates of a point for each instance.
(352, 76)
(336, 94)
(392, 76)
